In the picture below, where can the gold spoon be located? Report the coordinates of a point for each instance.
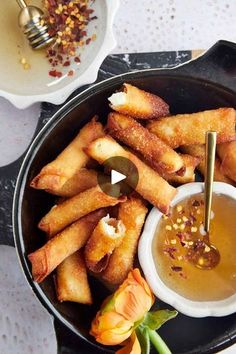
(34, 26)
(203, 254)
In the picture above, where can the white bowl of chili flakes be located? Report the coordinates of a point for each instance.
(50, 76)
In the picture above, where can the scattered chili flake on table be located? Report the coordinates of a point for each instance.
(67, 21)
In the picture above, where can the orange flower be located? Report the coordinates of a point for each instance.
(115, 322)
(110, 328)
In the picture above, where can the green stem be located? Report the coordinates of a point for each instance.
(158, 342)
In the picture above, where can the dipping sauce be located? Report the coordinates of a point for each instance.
(178, 232)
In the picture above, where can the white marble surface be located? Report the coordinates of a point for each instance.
(144, 25)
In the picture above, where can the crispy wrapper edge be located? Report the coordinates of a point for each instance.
(62, 245)
(100, 246)
(52, 177)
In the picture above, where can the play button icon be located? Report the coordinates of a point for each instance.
(119, 176)
(116, 177)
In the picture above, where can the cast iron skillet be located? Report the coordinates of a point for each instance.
(206, 83)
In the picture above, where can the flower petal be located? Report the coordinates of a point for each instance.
(113, 336)
(111, 328)
(132, 346)
(133, 302)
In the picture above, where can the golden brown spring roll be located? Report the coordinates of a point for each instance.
(107, 235)
(132, 213)
(190, 163)
(157, 153)
(188, 129)
(74, 208)
(227, 153)
(67, 242)
(81, 180)
(55, 174)
(137, 103)
(150, 185)
(199, 151)
(72, 281)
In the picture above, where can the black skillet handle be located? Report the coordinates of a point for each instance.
(8, 177)
(217, 65)
(70, 343)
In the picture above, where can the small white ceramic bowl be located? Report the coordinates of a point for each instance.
(186, 306)
(25, 87)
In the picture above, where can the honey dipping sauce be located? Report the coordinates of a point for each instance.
(177, 233)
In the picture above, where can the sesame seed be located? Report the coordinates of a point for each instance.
(193, 229)
(168, 227)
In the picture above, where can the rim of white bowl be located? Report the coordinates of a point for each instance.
(87, 77)
(163, 292)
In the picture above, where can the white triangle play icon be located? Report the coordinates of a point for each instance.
(116, 177)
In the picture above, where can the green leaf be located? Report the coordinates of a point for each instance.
(143, 338)
(155, 319)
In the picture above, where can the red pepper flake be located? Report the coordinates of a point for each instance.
(77, 60)
(189, 222)
(68, 22)
(51, 52)
(59, 57)
(176, 268)
(70, 73)
(66, 63)
(195, 203)
(183, 236)
(192, 217)
(88, 40)
(183, 275)
(55, 73)
(170, 251)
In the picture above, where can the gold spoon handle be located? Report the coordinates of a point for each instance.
(209, 176)
(21, 3)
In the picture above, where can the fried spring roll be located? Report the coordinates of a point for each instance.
(81, 180)
(58, 248)
(188, 129)
(150, 185)
(227, 153)
(72, 281)
(190, 163)
(74, 208)
(137, 103)
(107, 235)
(55, 174)
(199, 151)
(158, 154)
(132, 213)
